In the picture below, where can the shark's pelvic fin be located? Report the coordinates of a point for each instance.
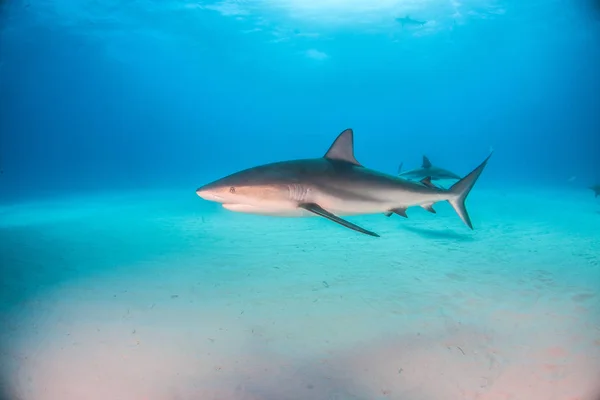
(342, 148)
(426, 162)
(400, 211)
(317, 209)
(461, 190)
(429, 207)
(427, 182)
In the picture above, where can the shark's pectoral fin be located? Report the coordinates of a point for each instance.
(427, 182)
(317, 209)
(429, 207)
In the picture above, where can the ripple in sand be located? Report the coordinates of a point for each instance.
(456, 277)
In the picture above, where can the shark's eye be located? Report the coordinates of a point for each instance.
(232, 190)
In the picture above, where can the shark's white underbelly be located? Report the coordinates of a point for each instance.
(336, 205)
(340, 208)
(292, 211)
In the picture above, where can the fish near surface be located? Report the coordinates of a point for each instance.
(332, 186)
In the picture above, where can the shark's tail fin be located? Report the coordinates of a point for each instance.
(460, 190)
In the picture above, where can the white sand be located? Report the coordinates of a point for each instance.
(150, 297)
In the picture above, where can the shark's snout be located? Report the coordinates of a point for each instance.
(208, 194)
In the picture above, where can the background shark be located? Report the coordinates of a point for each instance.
(332, 186)
(408, 21)
(427, 170)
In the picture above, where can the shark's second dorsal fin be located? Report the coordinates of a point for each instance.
(342, 148)
(426, 162)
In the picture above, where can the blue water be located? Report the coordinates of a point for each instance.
(112, 113)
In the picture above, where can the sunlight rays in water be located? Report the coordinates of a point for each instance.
(266, 15)
(356, 12)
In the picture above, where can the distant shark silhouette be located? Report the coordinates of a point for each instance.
(408, 21)
(427, 170)
(596, 189)
(332, 186)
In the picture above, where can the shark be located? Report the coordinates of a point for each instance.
(407, 20)
(596, 189)
(427, 169)
(333, 186)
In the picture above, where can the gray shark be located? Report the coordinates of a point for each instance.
(332, 186)
(596, 189)
(428, 170)
(410, 22)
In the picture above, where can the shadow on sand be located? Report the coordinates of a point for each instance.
(439, 234)
(308, 382)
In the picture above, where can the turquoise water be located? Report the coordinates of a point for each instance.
(118, 282)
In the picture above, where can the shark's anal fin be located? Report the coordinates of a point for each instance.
(342, 148)
(426, 162)
(400, 211)
(317, 209)
(427, 182)
(429, 207)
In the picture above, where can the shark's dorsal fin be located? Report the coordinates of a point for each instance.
(426, 162)
(342, 148)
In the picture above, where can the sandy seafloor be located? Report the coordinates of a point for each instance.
(156, 296)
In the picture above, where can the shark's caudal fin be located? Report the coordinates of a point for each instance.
(426, 162)
(460, 190)
(342, 148)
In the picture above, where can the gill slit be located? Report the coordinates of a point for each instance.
(297, 193)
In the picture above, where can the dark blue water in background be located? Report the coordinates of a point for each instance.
(160, 94)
